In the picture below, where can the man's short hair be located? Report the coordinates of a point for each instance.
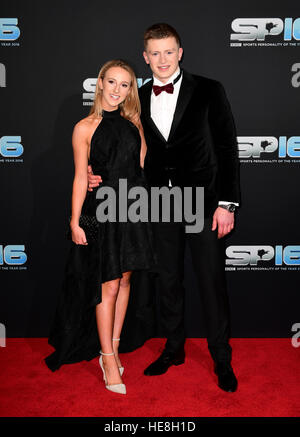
(159, 31)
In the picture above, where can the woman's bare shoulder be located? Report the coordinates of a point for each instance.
(87, 125)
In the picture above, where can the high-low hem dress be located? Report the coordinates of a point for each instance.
(118, 248)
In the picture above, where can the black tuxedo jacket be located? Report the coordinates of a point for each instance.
(201, 149)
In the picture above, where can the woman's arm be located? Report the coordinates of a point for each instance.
(80, 183)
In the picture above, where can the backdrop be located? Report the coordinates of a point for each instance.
(51, 53)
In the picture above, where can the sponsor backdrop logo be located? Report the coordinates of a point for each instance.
(265, 32)
(258, 150)
(11, 149)
(89, 86)
(13, 257)
(295, 81)
(9, 32)
(270, 258)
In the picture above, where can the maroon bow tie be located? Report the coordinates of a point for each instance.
(169, 88)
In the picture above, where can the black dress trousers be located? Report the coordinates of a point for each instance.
(208, 259)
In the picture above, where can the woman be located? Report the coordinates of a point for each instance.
(97, 278)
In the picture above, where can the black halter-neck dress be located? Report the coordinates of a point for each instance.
(119, 247)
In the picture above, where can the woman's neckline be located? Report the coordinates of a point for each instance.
(111, 114)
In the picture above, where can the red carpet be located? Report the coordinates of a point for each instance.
(267, 370)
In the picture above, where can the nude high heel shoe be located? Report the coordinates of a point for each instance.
(121, 369)
(116, 388)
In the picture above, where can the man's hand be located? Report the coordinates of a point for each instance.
(93, 180)
(224, 220)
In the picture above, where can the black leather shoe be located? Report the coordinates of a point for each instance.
(226, 378)
(163, 362)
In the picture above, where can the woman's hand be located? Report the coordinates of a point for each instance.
(78, 235)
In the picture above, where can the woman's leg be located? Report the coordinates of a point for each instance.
(105, 316)
(120, 312)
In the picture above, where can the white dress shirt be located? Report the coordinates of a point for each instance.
(163, 106)
(162, 109)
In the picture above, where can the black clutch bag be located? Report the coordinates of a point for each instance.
(87, 220)
(89, 224)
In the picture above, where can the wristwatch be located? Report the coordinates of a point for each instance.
(231, 207)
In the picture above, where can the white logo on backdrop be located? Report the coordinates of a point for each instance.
(265, 32)
(261, 150)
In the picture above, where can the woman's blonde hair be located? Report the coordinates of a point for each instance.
(131, 105)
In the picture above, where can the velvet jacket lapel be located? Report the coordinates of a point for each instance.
(186, 91)
(185, 94)
(145, 103)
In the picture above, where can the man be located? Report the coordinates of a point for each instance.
(191, 140)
